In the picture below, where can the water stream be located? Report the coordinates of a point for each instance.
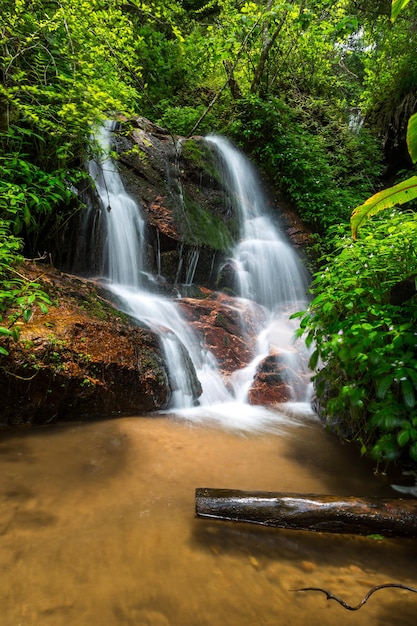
(97, 528)
(268, 273)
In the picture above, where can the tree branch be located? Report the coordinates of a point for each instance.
(348, 607)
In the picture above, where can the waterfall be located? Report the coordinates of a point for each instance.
(123, 223)
(267, 268)
(267, 271)
(124, 268)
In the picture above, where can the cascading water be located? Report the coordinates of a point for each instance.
(268, 274)
(124, 268)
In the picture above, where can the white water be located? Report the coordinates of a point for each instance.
(124, 267)
(268, 274)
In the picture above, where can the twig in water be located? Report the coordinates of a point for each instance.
(331, 596)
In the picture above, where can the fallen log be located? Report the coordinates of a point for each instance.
(319, 513)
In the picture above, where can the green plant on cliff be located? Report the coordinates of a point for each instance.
(292, 147)
(365, 338)
(18, 295)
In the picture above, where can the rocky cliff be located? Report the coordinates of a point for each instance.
(84, 357)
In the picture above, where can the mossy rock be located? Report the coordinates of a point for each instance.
(201, 227)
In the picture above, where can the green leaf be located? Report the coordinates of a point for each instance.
(27, 314)
(3, 351)
(396, 7)
(403, 437)
(399, 194)
(314, 360)
(386, 448)
(5, 331)
(383, 386)
(412, 137)
(413, 451)
(407, 391)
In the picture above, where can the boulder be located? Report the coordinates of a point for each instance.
(269, 384)
(82, 358)
(216, 317)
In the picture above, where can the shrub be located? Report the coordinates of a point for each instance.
(322, 167)
(365, 341)
(17, 294)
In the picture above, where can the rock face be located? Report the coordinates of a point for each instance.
(176, 182)
(269, 384)
(81, 358)
(217, 317)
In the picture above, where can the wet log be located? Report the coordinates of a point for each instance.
(319, 513)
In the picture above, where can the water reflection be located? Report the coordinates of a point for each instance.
(97, 527)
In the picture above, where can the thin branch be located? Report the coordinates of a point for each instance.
(20, 377)
(331, 596)
(223, 87)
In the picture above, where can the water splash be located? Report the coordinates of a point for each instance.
(268, 274)
(125, 269)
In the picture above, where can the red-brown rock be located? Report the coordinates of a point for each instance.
(269, 385)
(217, 318)
(82, 358)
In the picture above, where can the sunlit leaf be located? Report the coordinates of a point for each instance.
(399, 194)
(396, 7)
(412, 137)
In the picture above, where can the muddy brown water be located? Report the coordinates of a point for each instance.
(98, 529)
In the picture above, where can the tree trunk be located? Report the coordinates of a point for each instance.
(267, 43)
(350, 515)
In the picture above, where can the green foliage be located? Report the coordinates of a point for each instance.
(179, 119)
(365, 346)
(312, 156)
(399, 194)
(403, 192)
(390, 74)
(18, 295)
(412, 137)
(397, 6)
(30, 193)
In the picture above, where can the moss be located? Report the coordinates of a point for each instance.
(203, 228)
(199, 154)
(98, 307)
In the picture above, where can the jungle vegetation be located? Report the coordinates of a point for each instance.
(320, 93)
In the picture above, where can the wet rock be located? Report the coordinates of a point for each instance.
(269, 384)
(82, 358)
(176, 182)
(217, 320)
